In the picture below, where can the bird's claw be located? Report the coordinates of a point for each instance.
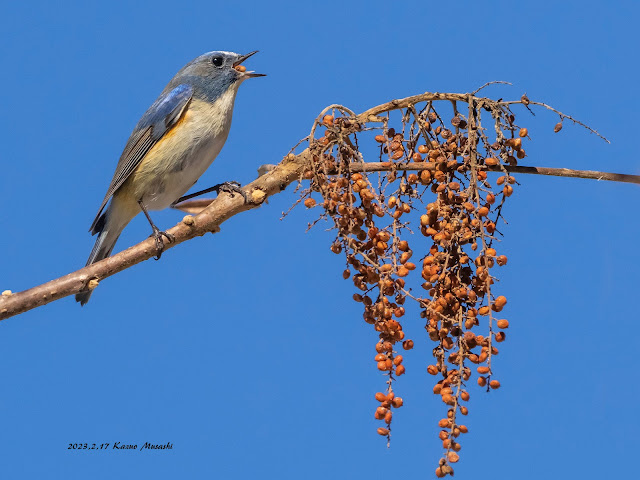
(157, 235)
(231, 188)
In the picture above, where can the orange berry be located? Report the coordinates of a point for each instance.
(381, 397)
(397, 402)
(453, 457)
(464, 396)
(494, 384)
(463, 429)
(523, 132)
(483, 370)
(403, 271)
(483, 310)
(309, 202)
(381, 411)
(500, 302)
(464, 410)
(382, 366)
(380, 138)
(432, 369)
(383, 431)
(484, 211)
(327, 120)
(500, 336)
(397, 360)
(444, 423)
(503, 323)
(448, 399)
(400, 370)
(491, 161)
(440, 473)
(407, 344)
(507, 190)
(501, 260)
(482, 381)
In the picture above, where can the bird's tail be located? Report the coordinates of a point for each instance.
(108, 232)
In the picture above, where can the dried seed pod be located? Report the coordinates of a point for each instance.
(425, 177)
(500, 301)
(558, 127)
(503, 323)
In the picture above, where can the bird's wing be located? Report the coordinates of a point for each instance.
(154, 124)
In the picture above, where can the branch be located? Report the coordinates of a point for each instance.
(209, 220)
(554, 172)
(224, 207)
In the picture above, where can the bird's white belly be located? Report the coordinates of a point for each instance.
(176, 162)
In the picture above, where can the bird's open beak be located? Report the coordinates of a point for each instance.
(242, 69)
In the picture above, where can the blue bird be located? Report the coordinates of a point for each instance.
(172, 145)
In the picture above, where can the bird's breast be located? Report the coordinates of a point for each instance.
(183, 154)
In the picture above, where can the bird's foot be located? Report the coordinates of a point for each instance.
(231, 188)
(157, 235)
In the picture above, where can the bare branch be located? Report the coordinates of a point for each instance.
(190, 227)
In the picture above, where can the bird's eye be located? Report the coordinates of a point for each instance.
(217, 61)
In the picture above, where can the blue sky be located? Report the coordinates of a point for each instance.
(244, 349)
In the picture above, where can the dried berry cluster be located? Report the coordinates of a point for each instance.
(431, 176)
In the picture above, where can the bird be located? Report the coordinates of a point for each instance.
(172, 145)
